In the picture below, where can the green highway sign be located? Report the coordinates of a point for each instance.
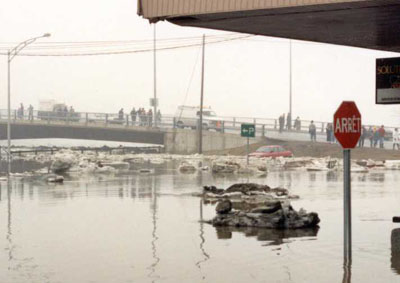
(248, 130)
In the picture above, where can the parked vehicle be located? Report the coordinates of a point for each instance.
(52, 110)
(271, 151)
(188, 116)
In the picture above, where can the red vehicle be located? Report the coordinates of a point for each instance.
(271, 151)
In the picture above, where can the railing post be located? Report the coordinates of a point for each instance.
(86, 119)
(263, 130)
(275, 124)
(254, 121)
(15, 115)
(106, 119)
(322, 129)
(127, 120)
(234, 122)
(223, 127)
(174, 123)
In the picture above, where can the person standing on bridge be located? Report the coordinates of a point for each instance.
(329, 131)
(65, 113)
(281, 122)
(381, 132)
(375, 136)
(139, 116)
(362, 137)
(150, 118)
(297, 124)
(370, 136)
(313, 131)
(158, 117)
(143, 116)
(289, 122)
(21, 111)
(396, 139)
(30, 112)
(121, 114)
(133, 116)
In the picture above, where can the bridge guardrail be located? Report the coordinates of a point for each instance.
(226, 123)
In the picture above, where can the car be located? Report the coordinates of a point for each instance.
(271, 151)
(188, 116)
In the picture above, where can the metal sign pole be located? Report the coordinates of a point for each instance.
(248, 142)
(202, 99)
(347, 204)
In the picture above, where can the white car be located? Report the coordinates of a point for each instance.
(188, 116)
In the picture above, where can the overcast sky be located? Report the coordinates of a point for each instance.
(243, 78)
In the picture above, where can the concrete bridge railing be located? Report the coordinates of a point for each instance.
(141, 129)
(226, 123)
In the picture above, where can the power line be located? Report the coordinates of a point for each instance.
(125, 41)
(100, 44)
(214, 40)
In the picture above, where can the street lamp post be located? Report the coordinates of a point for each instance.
(11, 54)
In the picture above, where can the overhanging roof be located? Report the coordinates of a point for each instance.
(373, 24)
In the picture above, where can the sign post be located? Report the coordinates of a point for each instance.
(388, 81)
(347, 129)
(249, 131)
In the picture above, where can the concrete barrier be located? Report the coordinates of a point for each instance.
(178, 141)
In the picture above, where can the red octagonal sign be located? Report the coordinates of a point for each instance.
(347, 124)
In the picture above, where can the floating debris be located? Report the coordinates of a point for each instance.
(60, 166)
(186, 167)
(117, 165)
(246, 191)
(279, 216)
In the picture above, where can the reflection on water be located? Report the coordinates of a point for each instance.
(152, 275)
(346, 271)
(332, 176)
(206, 257)
(312, 176)
(376, 177)
(145, 228)
(272, 236)
(9, 232)
(395, 247)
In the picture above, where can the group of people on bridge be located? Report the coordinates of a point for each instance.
(21, 112)
(141, 117)
(288, 125)
(375, 135)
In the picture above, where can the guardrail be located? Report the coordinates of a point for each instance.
(110, 150)
(220, 123)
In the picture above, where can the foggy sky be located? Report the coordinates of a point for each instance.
(248, 78)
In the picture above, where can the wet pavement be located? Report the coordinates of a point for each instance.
(145, 228)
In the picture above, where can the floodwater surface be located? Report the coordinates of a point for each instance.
(146, 228)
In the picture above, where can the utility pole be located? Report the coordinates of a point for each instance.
(290, 78)
(10, 56)
(8, 115)
(155, 78)
(200, 127)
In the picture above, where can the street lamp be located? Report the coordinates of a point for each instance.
(11, 54)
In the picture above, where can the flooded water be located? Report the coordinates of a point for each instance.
(145, 228)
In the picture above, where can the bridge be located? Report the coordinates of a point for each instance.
(111, 127)
(169, 132)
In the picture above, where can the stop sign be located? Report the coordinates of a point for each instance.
(347, 124)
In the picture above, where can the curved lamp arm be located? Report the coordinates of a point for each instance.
(14, 52)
